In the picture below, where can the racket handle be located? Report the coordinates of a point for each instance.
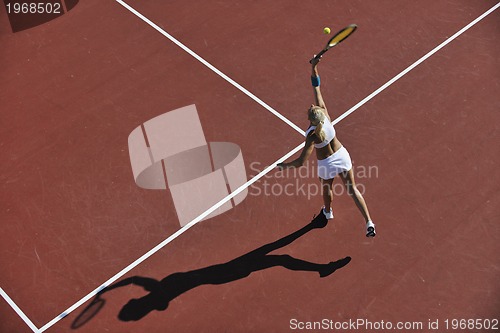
(317, 56)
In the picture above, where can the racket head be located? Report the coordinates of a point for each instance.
(341, 35)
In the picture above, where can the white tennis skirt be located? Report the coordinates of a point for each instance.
(338, 162)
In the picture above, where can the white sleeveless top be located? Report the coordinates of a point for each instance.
(329, 131)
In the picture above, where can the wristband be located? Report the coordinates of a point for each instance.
(316, 81)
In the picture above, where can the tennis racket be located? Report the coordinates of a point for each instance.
(336, 39)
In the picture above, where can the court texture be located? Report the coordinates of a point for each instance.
(139, 191)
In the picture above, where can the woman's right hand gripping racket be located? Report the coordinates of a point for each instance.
(336, 39)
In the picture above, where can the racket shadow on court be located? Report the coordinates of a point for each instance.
(160, 293)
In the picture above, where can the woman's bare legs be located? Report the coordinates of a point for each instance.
(348, 179)
(326, 185)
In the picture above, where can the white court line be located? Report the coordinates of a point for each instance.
(415, 64)
(210, 66)
(171, 238)
(19, 311)
(253, 180)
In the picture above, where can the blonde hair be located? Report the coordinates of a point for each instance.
(316, 115)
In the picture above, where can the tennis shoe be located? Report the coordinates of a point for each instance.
(370, 229)
(329, 215)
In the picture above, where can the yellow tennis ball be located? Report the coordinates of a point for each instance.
(326, 30)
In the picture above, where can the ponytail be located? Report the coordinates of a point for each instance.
(316, 115)
(319, 131)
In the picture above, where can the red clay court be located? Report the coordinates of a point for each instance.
(417, 92)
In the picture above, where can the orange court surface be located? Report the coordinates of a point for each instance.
(87, 98)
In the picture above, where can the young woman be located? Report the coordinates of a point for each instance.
(333, 158)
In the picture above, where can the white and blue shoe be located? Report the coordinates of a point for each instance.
(370, 229)
(328, 215)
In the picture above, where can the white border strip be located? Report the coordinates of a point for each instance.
(210, 66)
(18, 311)
(254, 179)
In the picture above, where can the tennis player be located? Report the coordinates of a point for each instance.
(333, 158)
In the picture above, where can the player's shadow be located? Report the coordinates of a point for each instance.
(172, 286)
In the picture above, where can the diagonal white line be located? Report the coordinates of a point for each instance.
(210, 66)
(170, 238)
(19, 312)
(255, 178)
(415, 64)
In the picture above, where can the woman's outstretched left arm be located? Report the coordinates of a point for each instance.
(299, 161)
